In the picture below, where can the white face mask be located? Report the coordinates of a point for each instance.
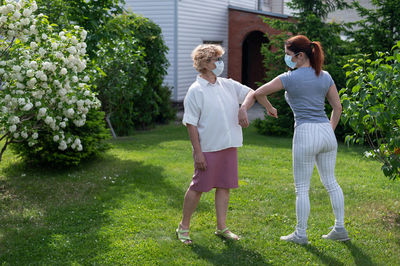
(219, 68)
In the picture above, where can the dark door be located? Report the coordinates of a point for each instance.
(253, 70)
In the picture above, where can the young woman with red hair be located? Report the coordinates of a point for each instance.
(314, 141)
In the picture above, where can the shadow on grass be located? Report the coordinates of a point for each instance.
(58, 217)
(325, 259)
(233, 254)
(360, 258)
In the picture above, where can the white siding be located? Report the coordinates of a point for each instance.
(348, 15)
(277, 6)
(199, 21)
(162, 13)
(249, 4)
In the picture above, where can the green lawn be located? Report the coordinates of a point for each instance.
(123, 208)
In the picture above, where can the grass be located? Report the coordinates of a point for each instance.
(123, 208)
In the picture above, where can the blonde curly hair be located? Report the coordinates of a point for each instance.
(203, 53)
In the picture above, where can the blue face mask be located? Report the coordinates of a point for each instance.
(289, 62)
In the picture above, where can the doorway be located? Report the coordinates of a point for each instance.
(253, 70)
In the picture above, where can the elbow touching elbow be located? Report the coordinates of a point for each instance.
(257, 93)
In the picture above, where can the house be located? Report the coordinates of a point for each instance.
(235, 24)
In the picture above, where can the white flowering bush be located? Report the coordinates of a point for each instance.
(44, 79)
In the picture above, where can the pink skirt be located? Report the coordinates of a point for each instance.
(221, 172)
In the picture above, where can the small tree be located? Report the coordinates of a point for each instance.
(379, 28)
(371, 106)
(132, 56)
(44, 81)
(92, 15)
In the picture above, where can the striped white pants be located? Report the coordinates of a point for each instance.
(315, 143)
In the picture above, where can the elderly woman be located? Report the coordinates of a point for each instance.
(213, 120)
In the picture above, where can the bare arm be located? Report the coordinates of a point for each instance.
(267, 89)
(334, 101)
(199, 159)
(246, 105)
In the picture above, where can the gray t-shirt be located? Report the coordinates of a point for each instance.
(305, 94)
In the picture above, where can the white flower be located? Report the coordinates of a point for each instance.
(20, 85)
(17, 15)
(16, 135)
(48, 120)
(63, 125)
(44, 36)
(62, 146)
(34, 65)
(83, 35)
(31, 83)
(54, 45)
(27, 107)
(27, 12)
(56, 138)
(71, 50)
(35, 135)
(38, 103)
(13, 120)
(25, 21)
(75, 79)
(63, 71)
(74, 40)
(80, 103)
(21, 101)
(42, 111)
(34, 7)
(42, 51)
(62, 92)
(17, 68)
(70, 112)
(59, 55)
(33, 45)
(77, 141)
(30, 73)
(80, 147)
(12, 128)
(24, 134)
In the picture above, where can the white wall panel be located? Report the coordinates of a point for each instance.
(249, 4)
(199, 21)
(162, 12)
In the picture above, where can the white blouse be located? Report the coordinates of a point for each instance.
(214, 110)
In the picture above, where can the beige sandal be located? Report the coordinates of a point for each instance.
(225, 233)
(184, 239)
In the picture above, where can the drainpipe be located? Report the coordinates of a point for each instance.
(260, 2)
(175, 93)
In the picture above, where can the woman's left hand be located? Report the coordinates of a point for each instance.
(243, 119)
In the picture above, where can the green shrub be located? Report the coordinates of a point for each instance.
(92, 135)
(122, 84)
(371, 106)
(281, 126)
(132, 58)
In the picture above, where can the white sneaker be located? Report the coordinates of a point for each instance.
(293, 237)
(338, 236)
